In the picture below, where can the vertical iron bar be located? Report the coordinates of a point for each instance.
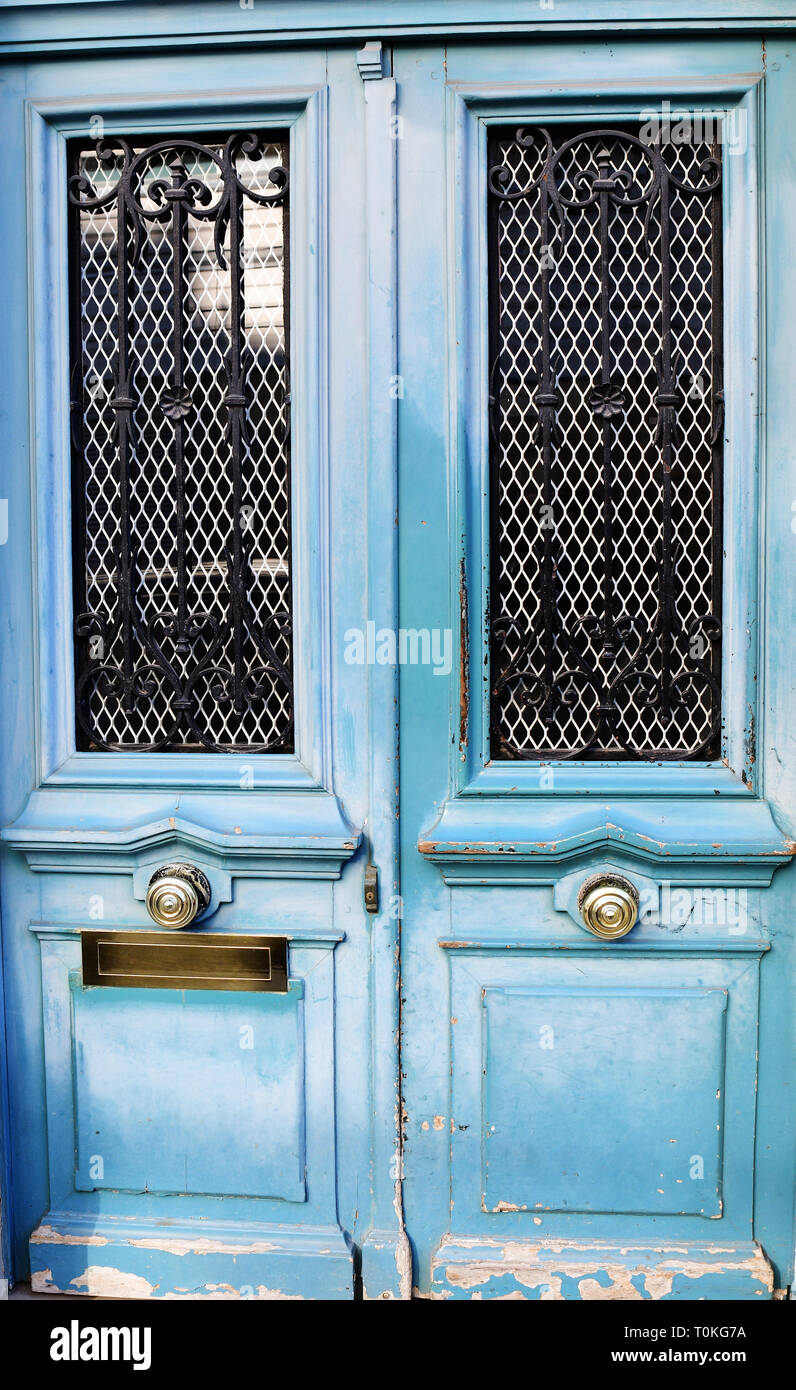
(717, 432)
(288, 442)
(285, 209)
(494, 388)
(76, 406)
(666, 407)
(547, 405)
(123, 405)
(236, 404)
(604, 184)
(178, 223)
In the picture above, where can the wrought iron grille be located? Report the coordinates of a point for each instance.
(180, 435)
(606, 425)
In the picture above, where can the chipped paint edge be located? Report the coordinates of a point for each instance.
(546, 1265)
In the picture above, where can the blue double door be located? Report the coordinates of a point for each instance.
(494, 293)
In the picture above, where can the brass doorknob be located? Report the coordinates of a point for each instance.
(608, 905)
(176, 894)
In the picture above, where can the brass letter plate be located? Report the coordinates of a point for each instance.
(163, 960)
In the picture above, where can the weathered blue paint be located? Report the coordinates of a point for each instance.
(527, 1170)
(386, 1257)
(631, 1108)
(559, 1269)
(651, 1058)
(546, 1098)
(48, 25)
(242, 1131)
(262, 1168)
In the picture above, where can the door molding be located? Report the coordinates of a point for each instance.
(386, 1255)
(107, 26)
(298, 835)
(287, 1239)
(502, 818)
(471, 109)
(49, 124)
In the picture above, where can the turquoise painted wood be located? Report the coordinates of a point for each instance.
(204, 1145)
(653, 1060)
(586, 1119)
(241, 1131)
(576, 1118)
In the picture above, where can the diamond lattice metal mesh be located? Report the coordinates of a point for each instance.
(592, 712)
(191, 698)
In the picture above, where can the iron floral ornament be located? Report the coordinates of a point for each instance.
(176, 404)
(607, 400)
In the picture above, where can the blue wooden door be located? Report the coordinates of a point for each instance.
(596, 1115)
(193, 269)
(433, 396)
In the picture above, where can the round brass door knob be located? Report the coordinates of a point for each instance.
(608, 905)
(177, 893)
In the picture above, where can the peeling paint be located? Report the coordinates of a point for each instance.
(202, 1245)
(620, 1289)
(103, 1281)
(464, 660)
(226, 1291)
(48, 1235)
(607, 1277)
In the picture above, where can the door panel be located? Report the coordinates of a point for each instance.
(582, 1084)
(198, 1143)
(228, 1133)
(222, 1100)
(575, 1161)
(583, 1114)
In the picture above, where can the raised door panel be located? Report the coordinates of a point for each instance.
(189, 1091)
(603, 1099)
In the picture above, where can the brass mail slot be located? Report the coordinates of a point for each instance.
(161, 960)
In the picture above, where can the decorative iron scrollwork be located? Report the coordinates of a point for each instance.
(605, 427)
(183, 612)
